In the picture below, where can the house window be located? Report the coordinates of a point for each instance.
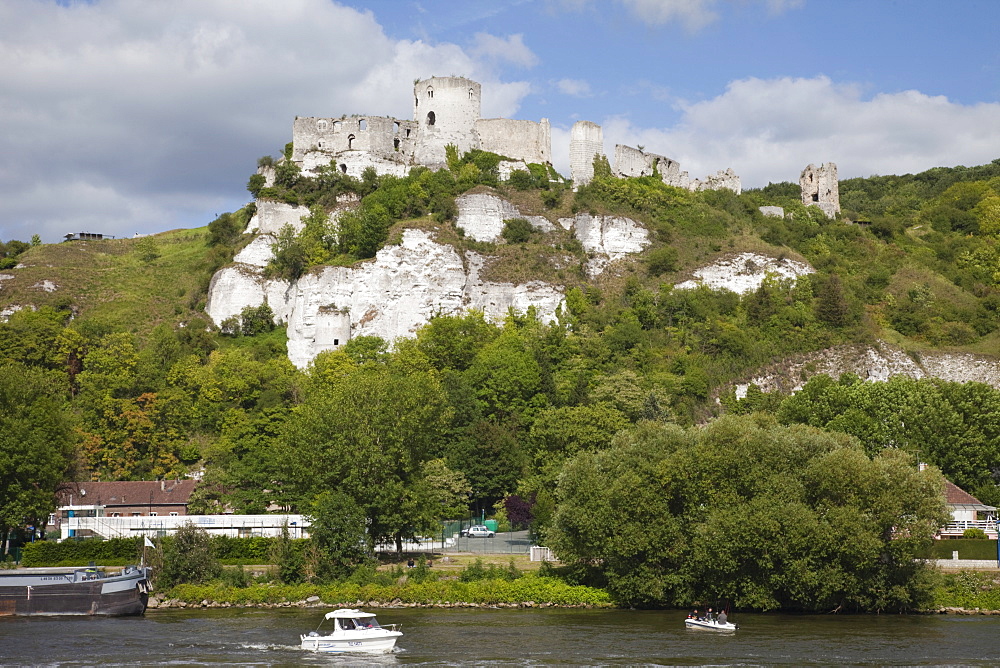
(116, 514)
(430, 118)
(153, 514)
(136, 514)
(174, 514)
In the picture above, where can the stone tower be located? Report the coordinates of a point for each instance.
(820, 188)
(446, 110)
(586, 141)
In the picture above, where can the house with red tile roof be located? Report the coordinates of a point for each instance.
(967, 512)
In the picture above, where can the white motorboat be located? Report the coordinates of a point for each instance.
(353, 631)
(709, 624)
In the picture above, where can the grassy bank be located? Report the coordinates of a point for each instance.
(968, 590)
(528, 588)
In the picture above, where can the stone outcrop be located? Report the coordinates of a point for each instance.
(723, 179)
(482, 216)
(877, 362)
(271, 216)
(391, 296)
(744, 272)
(820, 188)
(772, 211)
(606, 238)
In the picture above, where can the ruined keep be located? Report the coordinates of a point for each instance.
(446, 110)
(585, 143)
(820, 188)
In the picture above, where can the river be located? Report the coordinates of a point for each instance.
(452, 637)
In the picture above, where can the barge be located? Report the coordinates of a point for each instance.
(74, 591)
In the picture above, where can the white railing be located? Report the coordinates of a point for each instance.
(958, 527)
(233, 526)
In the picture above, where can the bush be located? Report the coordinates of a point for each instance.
(662, 260)
(188, 558)
(517, 230)
(975, 533)
(521, 180)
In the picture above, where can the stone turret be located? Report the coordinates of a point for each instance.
(820, 188)
(586, 141)
(446, 110)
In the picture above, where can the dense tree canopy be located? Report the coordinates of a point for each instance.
(750, 512)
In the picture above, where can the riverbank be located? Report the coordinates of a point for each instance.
(526, 591)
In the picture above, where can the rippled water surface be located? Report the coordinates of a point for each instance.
(505, 637)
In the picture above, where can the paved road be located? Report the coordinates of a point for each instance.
(514, 542)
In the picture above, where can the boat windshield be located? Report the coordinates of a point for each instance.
(366, 623)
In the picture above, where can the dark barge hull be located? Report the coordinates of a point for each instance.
(74, 593)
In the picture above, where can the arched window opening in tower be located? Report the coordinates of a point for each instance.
(430, 118)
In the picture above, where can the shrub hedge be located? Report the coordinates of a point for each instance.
(527, 588)
(124, 551)
(968, 548)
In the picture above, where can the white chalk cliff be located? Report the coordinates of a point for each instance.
(391, 296)
(744, 272)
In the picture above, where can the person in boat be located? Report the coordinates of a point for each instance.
(694, 614)
(723, 617)
(710, 616)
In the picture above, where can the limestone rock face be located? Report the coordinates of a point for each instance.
(271, 216)
(391, 296)
(606, 238)
(482, 216)
(744, 272)
(874, 363)
(772, 211)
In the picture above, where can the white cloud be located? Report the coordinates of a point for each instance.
(692, 14)
(768, 130)
(122, 116)
(498, 49)
(574, 87)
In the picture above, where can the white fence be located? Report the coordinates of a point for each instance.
(957, 527)
(234, 526)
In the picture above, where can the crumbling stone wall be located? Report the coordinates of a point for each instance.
(722, 179)
(586, 141)
(521, 140)
(636, 162)
(820, 188)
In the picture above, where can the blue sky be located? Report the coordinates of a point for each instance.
(124, 116)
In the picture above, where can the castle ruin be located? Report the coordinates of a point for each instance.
(820, 188)
(447, 111)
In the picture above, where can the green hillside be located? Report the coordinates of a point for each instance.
(111, 370)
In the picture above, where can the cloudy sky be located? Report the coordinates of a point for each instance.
(125, 116)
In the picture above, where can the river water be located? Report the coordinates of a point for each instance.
(453, 637)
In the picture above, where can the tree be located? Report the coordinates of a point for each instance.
(749, 511)
(371, 429)
(337, 529)
(832, 306)
(36, 448)
(187, 557)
